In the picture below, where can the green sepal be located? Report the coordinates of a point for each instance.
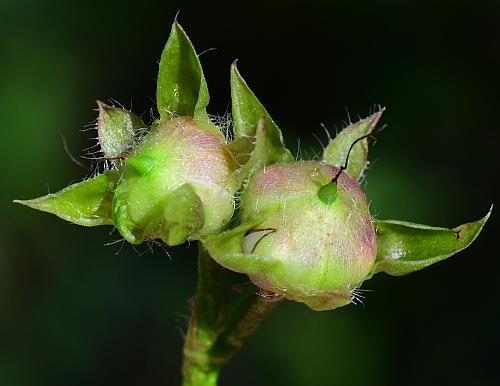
(86, 203)
(247, 111)
(242, 149)
(117, 130)
(183, 215)
(260, 156)
(337, 149)
(142, 164)
(181, 89)
(404, 247)
(227, 249)
(128, 230)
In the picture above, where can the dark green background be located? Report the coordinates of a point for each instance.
(76, 312)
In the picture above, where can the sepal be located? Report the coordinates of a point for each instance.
(230, 249)
(117, 130)
(183, 215)
(181, 88)
(86, 203)
(404, 247)
(247, 112)
(337, 150)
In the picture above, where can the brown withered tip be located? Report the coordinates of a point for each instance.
(101, 106)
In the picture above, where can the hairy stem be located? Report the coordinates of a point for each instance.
(219, 322)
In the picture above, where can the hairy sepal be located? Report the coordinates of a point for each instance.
(228, 249)
(181, 88)
(337, 150)
(86, 203)
(183, 215)
(117, 131)
(404, 247)
(248, 115)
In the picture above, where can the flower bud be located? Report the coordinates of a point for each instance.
(318, 249)
(179, 177)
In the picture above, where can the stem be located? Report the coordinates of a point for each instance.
(218, 324)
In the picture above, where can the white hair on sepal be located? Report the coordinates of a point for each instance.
(92, 125)
(154, 242)
(113, 102)
(236, 204)
(114, 242)
(357, 295)
(348, 115)
(152, 115)
(224, 123)
(207, 50)
(317, 138)
(328, 135)
(315, 155)
(299, 150)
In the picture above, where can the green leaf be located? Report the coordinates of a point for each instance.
(337, 149)
(247, 112)
(181, 88)
(183, 215)
(117, 129)
(86, 203)
(404, 247)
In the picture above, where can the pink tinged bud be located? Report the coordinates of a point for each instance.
(175, 153)
(325, 249)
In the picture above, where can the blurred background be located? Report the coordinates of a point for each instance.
(74, 311)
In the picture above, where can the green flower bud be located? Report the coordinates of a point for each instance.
(317, 252)
(180, 176)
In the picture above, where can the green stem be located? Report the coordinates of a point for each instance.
(219, 322)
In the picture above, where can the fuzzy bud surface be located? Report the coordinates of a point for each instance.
(175, 154)
(324, 250)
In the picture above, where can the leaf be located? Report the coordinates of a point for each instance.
(337, 149)
(404, 247)
(86, 203)
(117, 129)
(183, 214)
(247, 111)
(181, 88)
